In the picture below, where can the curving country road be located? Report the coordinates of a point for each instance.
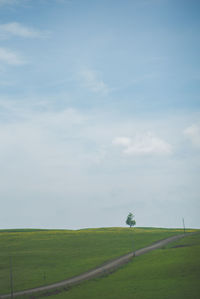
(102, 270)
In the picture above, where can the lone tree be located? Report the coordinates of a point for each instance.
(130, 220)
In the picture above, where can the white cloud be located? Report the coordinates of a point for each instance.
(193, 134)
(16, 29)
(10, 57)
(124, 141)
(92, 82)
(143, 145)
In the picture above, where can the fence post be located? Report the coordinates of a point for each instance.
(184, 225)
(11, 278)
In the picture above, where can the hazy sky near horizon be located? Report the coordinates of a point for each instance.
(99, 113)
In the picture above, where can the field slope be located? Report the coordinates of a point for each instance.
(169, 273)
(41, 257)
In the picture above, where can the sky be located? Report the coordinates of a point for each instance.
(99, 113)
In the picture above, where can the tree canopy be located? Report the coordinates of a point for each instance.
(130, 220)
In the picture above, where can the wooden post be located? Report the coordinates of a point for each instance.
(184, 225)
(11, 278)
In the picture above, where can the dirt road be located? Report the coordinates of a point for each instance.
(100, 271)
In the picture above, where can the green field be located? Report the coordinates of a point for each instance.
(41, 257)
(169, 273)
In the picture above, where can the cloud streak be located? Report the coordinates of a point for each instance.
(9, 57)
(146, 144)
(91, 81)
(16, 29)
(193, 134)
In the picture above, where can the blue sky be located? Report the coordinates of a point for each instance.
(99, 113)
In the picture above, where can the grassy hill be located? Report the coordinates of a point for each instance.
(41, 257)
(169, 273)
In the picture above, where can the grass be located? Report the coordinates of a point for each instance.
(169, 273)
(41, 257)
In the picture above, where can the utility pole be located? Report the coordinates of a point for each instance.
(184, 225)
(11, 278)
